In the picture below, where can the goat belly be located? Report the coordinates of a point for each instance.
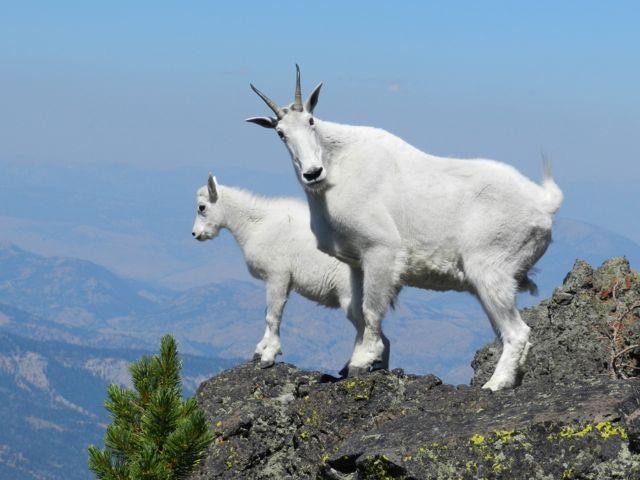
(434, 272)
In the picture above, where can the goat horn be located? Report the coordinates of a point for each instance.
(270, 103)
(297, 102)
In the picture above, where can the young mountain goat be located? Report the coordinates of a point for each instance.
(280, 249)
(400, 216)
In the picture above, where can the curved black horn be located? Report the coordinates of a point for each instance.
(270, 103)
(297, 102)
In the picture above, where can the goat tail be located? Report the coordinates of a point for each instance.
(552, 195)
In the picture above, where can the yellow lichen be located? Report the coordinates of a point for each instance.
(607, 430)
(584, 431)
(504, 436)
(313, 419)
(232, 460)
(569, 432)
(362, 391)
(429, 451)
(378, 469)
(476, 439)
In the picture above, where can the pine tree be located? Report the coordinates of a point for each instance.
(154, 434)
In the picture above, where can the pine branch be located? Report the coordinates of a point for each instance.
(154, 434)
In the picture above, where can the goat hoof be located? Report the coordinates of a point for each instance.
(344, 373)
(267, 363)
(256, 357)
(357, 371)
(376, 366)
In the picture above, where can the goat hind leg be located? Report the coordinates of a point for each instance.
(498, 300)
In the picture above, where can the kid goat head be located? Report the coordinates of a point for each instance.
(295, 125)
(208, 214)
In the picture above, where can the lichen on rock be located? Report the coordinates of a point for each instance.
(573, 417)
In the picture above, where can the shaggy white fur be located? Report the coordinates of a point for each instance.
(280, 249)
(399, 216)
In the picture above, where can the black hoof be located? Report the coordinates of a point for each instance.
(256, 357)
(358, 371)
(376, 366)
(344, 372)
(267, 364)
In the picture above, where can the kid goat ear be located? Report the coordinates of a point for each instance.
(212, 186)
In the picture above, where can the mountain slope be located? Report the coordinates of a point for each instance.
(51, 402)
(430, 331)
(70, 291)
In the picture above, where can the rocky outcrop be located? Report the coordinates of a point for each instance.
(588, 328)
(574, 416)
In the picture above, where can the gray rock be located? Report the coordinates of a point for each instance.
(573, 332)
(568, 419)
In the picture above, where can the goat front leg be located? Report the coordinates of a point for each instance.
(269, 346)
(358, 322)
(378, 289)
(351, 303)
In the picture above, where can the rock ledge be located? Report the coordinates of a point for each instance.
(570, 418)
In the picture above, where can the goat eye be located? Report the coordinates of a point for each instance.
(280, 134)
(311, 121)
(202, 208)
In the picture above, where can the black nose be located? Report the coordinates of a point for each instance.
(312, 174)
(193, 233)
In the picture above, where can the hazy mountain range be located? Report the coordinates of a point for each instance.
(68, 327)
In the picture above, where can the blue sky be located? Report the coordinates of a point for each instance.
(163, 86)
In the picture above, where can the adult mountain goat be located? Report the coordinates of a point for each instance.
(280, 249)
(399, 216)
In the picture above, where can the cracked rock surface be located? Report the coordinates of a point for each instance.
(570, 418)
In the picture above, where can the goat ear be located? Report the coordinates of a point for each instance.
(212, 186)
(312, 101)
(266, 122)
